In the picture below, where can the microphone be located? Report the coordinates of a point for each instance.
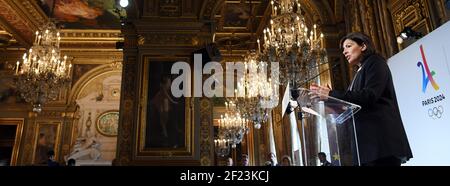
(336, 64)
(295, 93)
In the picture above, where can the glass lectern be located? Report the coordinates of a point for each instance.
(327, 125)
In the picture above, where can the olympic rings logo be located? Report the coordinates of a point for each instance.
(436, 112)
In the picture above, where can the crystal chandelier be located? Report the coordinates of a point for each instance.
(288, 40)
(42, 72)
(222, 146)
(257, 93)
(232, 126)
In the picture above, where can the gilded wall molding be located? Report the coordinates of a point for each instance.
(91, 56)
(206, 135)
(91, 35)
(78, 87)
(168, 9)
(67, 134)
(19, 123)
(173, 39)
(413, 13)
(409, 14)
(127, 110)
(54, 114)
(90, 40)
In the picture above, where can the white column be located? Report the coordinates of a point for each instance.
(295, 141)
(272, 139)
(324, 145)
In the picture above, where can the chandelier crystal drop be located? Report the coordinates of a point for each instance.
(288, 40)
(42, 73)
(258, 94)
(233, 125)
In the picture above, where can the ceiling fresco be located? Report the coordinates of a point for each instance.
(83, 14)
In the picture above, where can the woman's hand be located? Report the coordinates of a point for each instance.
(319, 91)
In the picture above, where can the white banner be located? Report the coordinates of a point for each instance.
(421, 76)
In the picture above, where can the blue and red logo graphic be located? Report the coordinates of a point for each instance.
(427, 75)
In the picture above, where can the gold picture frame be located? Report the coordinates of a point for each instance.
(47, 137)
(18, 122)
(144, 150)
(107, 123)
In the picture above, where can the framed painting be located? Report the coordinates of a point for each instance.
(47, 139)
(10, 138)
(108, 123)
(165, 126)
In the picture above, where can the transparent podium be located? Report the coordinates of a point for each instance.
(328, 126)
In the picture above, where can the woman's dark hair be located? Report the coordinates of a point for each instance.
(360, 39)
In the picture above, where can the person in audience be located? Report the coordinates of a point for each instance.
(286, 161)
(229, 161)
(51, 159)
(323, 159)
(245, 161)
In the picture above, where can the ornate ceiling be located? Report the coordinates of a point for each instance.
(19, 18)
(230, 23)
(236, 23)
(85, 26)
(78, 14)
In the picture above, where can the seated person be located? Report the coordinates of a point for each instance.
(268, 163)
(323, 159)
(286, 161)
(51, 159)
(272, 158)
(245, 161)
(229, 161)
